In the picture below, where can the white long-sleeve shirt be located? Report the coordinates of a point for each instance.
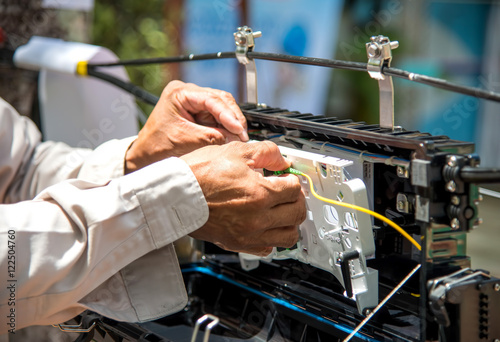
(84, 236)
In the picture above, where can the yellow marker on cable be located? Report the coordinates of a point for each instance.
(352, 206)
(82, 68)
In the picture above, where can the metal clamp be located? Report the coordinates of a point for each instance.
(208, 329)
(74, 328)
(379, 56)
(439, 289)
(244, 39)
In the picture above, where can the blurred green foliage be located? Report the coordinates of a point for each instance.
(135, 29)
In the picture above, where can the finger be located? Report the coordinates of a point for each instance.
(283, 189)
(286, 214)
(280, 237)
(205, 135)
(259, 251)
(218, 103)
(266, 155)
(235, 110)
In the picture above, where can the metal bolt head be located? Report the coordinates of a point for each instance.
(240, 38)
(452, 161)
(455, 200)
(497, 287)
(455, 224)
(402, 172)
(394, 44)
(400, 205)
(451, 186)
(373, 50)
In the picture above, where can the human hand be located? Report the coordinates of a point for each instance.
(247, 212)
(186, 118)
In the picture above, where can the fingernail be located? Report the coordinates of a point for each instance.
(244, 136)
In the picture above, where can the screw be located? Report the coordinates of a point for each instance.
(257, 34)
(402, 172)
(394, 44)
(455, 200)
(451, 186)
(373, 50)
(452, 161)
(497, 287)
(455, 224)
(401, 206)
(240, 38)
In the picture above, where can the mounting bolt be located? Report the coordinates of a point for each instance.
(454, 224)
(497, 287)
(451, 186)
(455, 200)
(373, 50)
(401, 206)
(402, 172)
(452, 161)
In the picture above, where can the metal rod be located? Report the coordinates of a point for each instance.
(382, 303)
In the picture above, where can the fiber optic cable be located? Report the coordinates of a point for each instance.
(352, 206)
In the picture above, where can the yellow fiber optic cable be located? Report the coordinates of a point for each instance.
(355, 207)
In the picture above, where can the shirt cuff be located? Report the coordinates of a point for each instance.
(107, 161)
(170, 198)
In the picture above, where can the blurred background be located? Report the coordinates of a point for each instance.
(452, 39)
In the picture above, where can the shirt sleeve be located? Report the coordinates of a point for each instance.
(88, 242)
(27, 165)
(78, 234)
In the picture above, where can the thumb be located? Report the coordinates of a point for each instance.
(209, 135)
(267, 155)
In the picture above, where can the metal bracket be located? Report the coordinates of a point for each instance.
(440, 288)
(379, 56)
(208, 329)
(244, 39)
(74, 328)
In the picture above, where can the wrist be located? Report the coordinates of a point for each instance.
(130, 163)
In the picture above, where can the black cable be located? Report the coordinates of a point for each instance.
(160, 60)
(443, 84)
(331, 63)
(138, 92)
(479, 175)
